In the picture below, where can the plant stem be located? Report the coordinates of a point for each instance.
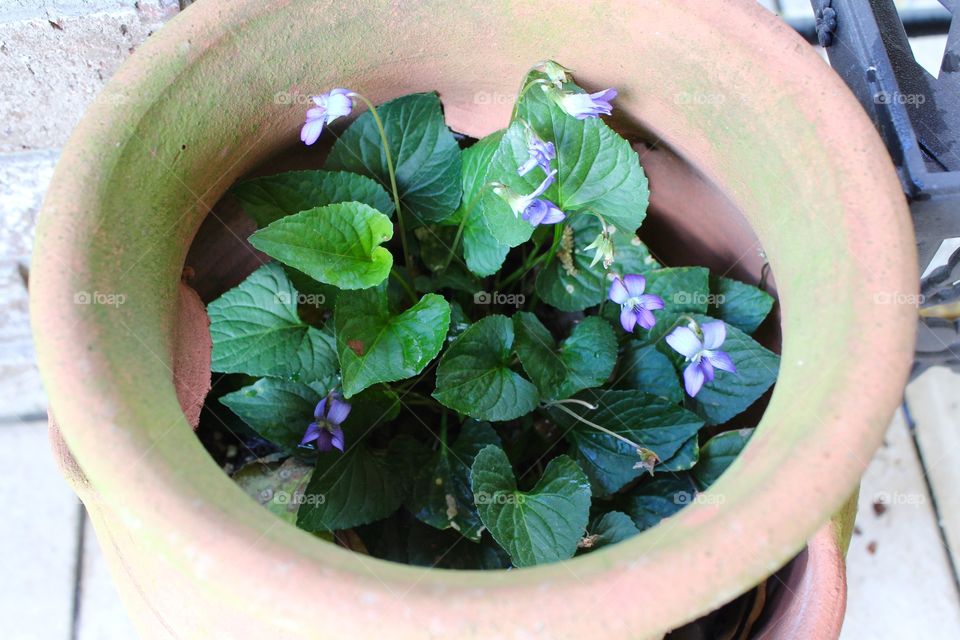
(523, 91)
(462, 225)
(594, 425)
(407, 256)
(403, 283)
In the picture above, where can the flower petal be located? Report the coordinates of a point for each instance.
(714, 333)
(321, 408)
(707, 369)
(338, 106)
(692, 379)
(553, 215)
(628, 319)
(311, 131)
(684, 341)
(618, 292)
(650, 301)
(338, 411)
(324, 440)
(547, 181)
(527, 166)
(721, 360)
(337, 439)
(312, 433)
(646, 318)
(635, 284)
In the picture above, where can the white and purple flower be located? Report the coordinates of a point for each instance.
(541, 153)
(334, 104)
(326, 432)
(703, 355)
(583, 105)
(532, 207)
(636, 307)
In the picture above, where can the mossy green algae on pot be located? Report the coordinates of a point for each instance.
(197, 558)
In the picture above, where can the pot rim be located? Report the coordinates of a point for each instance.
(831, 411)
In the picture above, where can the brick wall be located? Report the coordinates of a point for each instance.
(55, 55)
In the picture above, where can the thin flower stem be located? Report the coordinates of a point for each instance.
(523, 92)
(463, 224)
(403, 283)
(407, 256)
(594, 425)
(534, 259)
(443, 429)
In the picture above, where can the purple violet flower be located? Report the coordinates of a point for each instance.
(334, 104)
(541, 153)
(326, 431)
(636, 307)
(583, 105)
(532, 207)
(703, 356)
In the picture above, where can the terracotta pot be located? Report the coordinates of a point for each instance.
(724, 85)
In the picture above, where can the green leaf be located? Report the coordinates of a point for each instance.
(338, 244)
(569, 283)
(719, 452)
(441, 496)
(683, 289)
(256, 330)
(644, 368)
(425, 154)
(474, 375)
(542, 525)
(270, 198)
(658, 498)
(739, 304)
(649, 421)
(610, 528)
(731, 393)
(375, 345)
(684, 459)
(597, 169)
(276, 486)
(350, 489)
(427, 547)
(483, 252)
(584, 360)
(279, 410)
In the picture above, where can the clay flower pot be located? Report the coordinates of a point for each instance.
(728, 89)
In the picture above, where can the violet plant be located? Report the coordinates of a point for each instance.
(462, 355)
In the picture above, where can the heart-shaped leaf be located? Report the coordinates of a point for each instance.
(256, 330)
(643, 368)
(658, 498)
(426, 156)
(584, 360)
(277, 486)
(739, 304)
(474, 375)
(541, 525)
(269, 198)
(610, 528)
(719, 452)
(441, 494)
(352, 488)
(337, 244)
(649, 421)
(482, 251)
(377, 346)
